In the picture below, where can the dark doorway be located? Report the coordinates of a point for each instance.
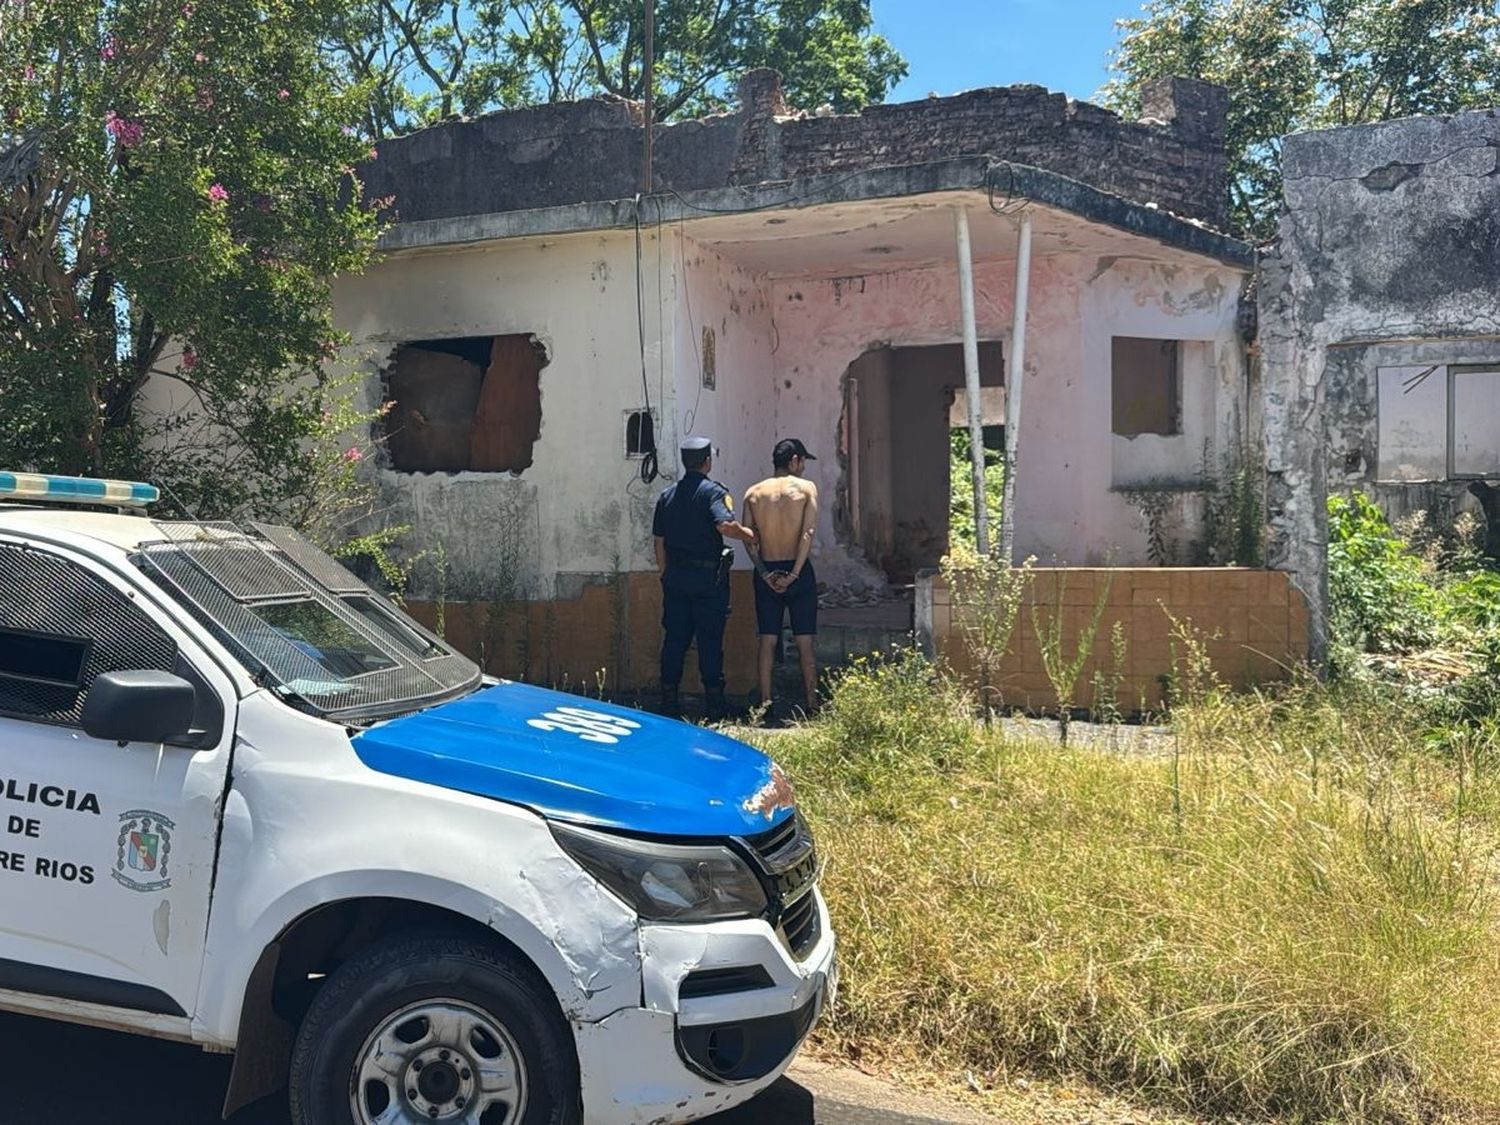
(898, 416)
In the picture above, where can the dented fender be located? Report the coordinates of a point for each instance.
(309, 825)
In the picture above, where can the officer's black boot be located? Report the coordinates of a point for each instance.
(669, 705)
(715, 709)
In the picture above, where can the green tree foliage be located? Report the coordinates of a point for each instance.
(961, 489)
(1310, 64)
(174, 198)
(427, 59)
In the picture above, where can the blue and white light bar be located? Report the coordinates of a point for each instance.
(77, 490)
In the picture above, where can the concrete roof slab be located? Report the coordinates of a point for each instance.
(873, 221)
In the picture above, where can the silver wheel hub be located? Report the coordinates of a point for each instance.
(439, 1060)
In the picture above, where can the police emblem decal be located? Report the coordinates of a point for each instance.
(143, 851)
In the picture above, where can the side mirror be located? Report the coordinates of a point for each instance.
(138, 707)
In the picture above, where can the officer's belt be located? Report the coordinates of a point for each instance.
(692, 560)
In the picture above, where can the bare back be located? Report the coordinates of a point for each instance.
(782, 510)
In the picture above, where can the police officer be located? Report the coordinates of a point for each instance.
(692, 516)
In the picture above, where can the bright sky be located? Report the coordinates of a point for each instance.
(954, 45)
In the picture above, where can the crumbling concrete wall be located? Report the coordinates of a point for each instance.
(589, 151)
(1388, 255)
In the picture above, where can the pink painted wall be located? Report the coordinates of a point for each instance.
(1067, 511)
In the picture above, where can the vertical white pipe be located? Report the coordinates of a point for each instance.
(1015, 372)
(971, 379)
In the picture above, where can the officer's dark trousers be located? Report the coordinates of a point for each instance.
(694, 607)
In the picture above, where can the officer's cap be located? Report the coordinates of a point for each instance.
(696, 446)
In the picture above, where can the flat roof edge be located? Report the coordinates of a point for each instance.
(1001, 178)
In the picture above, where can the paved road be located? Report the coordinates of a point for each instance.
(53, 1074)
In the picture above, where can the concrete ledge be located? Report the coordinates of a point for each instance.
(981, 175)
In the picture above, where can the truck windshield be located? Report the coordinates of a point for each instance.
(302, 624)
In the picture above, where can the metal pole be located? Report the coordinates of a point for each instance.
(1015, 373)
(971, 379)
(649, 81)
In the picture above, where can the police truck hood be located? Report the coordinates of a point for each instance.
(583, 761)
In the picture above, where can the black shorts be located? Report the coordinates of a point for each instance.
(800, 600)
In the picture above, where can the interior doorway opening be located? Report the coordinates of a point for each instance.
(902, 407)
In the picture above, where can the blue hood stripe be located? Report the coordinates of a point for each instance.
(586, 762)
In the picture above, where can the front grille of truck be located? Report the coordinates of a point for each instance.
(789, 863)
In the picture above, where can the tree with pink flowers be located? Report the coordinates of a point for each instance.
(175, 197)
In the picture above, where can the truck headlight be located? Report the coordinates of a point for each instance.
(666, 882)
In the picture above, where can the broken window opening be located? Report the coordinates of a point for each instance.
(640, 432)
(1145, 387)
(465, 403)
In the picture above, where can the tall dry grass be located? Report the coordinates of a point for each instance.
(1285, 913)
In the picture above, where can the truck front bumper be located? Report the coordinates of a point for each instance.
(725, 1008)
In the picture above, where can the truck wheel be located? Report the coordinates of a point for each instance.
(433, 1029)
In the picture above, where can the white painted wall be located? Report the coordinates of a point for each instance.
(580, 508)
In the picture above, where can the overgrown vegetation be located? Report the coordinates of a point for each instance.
(1063, 667)
(1283, 908)
(989, 592)
(1289, 915)
(1417, 609)
(424, 60)
(961, 490)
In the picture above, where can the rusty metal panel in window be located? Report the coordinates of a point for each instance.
(508, 418)
(1411, 423)
(466, 403)
(434, 396)
(1145, 387)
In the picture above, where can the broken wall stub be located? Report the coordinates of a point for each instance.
(590, 151)
(1388, 257)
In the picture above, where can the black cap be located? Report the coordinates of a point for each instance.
(786, 449)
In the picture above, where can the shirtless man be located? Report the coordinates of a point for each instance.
(783, 511)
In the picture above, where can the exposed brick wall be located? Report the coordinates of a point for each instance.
(591, 150)
(1253, 622)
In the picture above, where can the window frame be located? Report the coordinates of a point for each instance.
(212, 706)
(1454, 370)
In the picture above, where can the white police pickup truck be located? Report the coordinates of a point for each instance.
(247, 803)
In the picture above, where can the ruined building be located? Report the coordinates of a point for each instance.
(1380, 330)
(543, 335)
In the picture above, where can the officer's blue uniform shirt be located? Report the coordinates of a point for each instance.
(688, 515)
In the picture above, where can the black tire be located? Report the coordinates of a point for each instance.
(386, 978)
